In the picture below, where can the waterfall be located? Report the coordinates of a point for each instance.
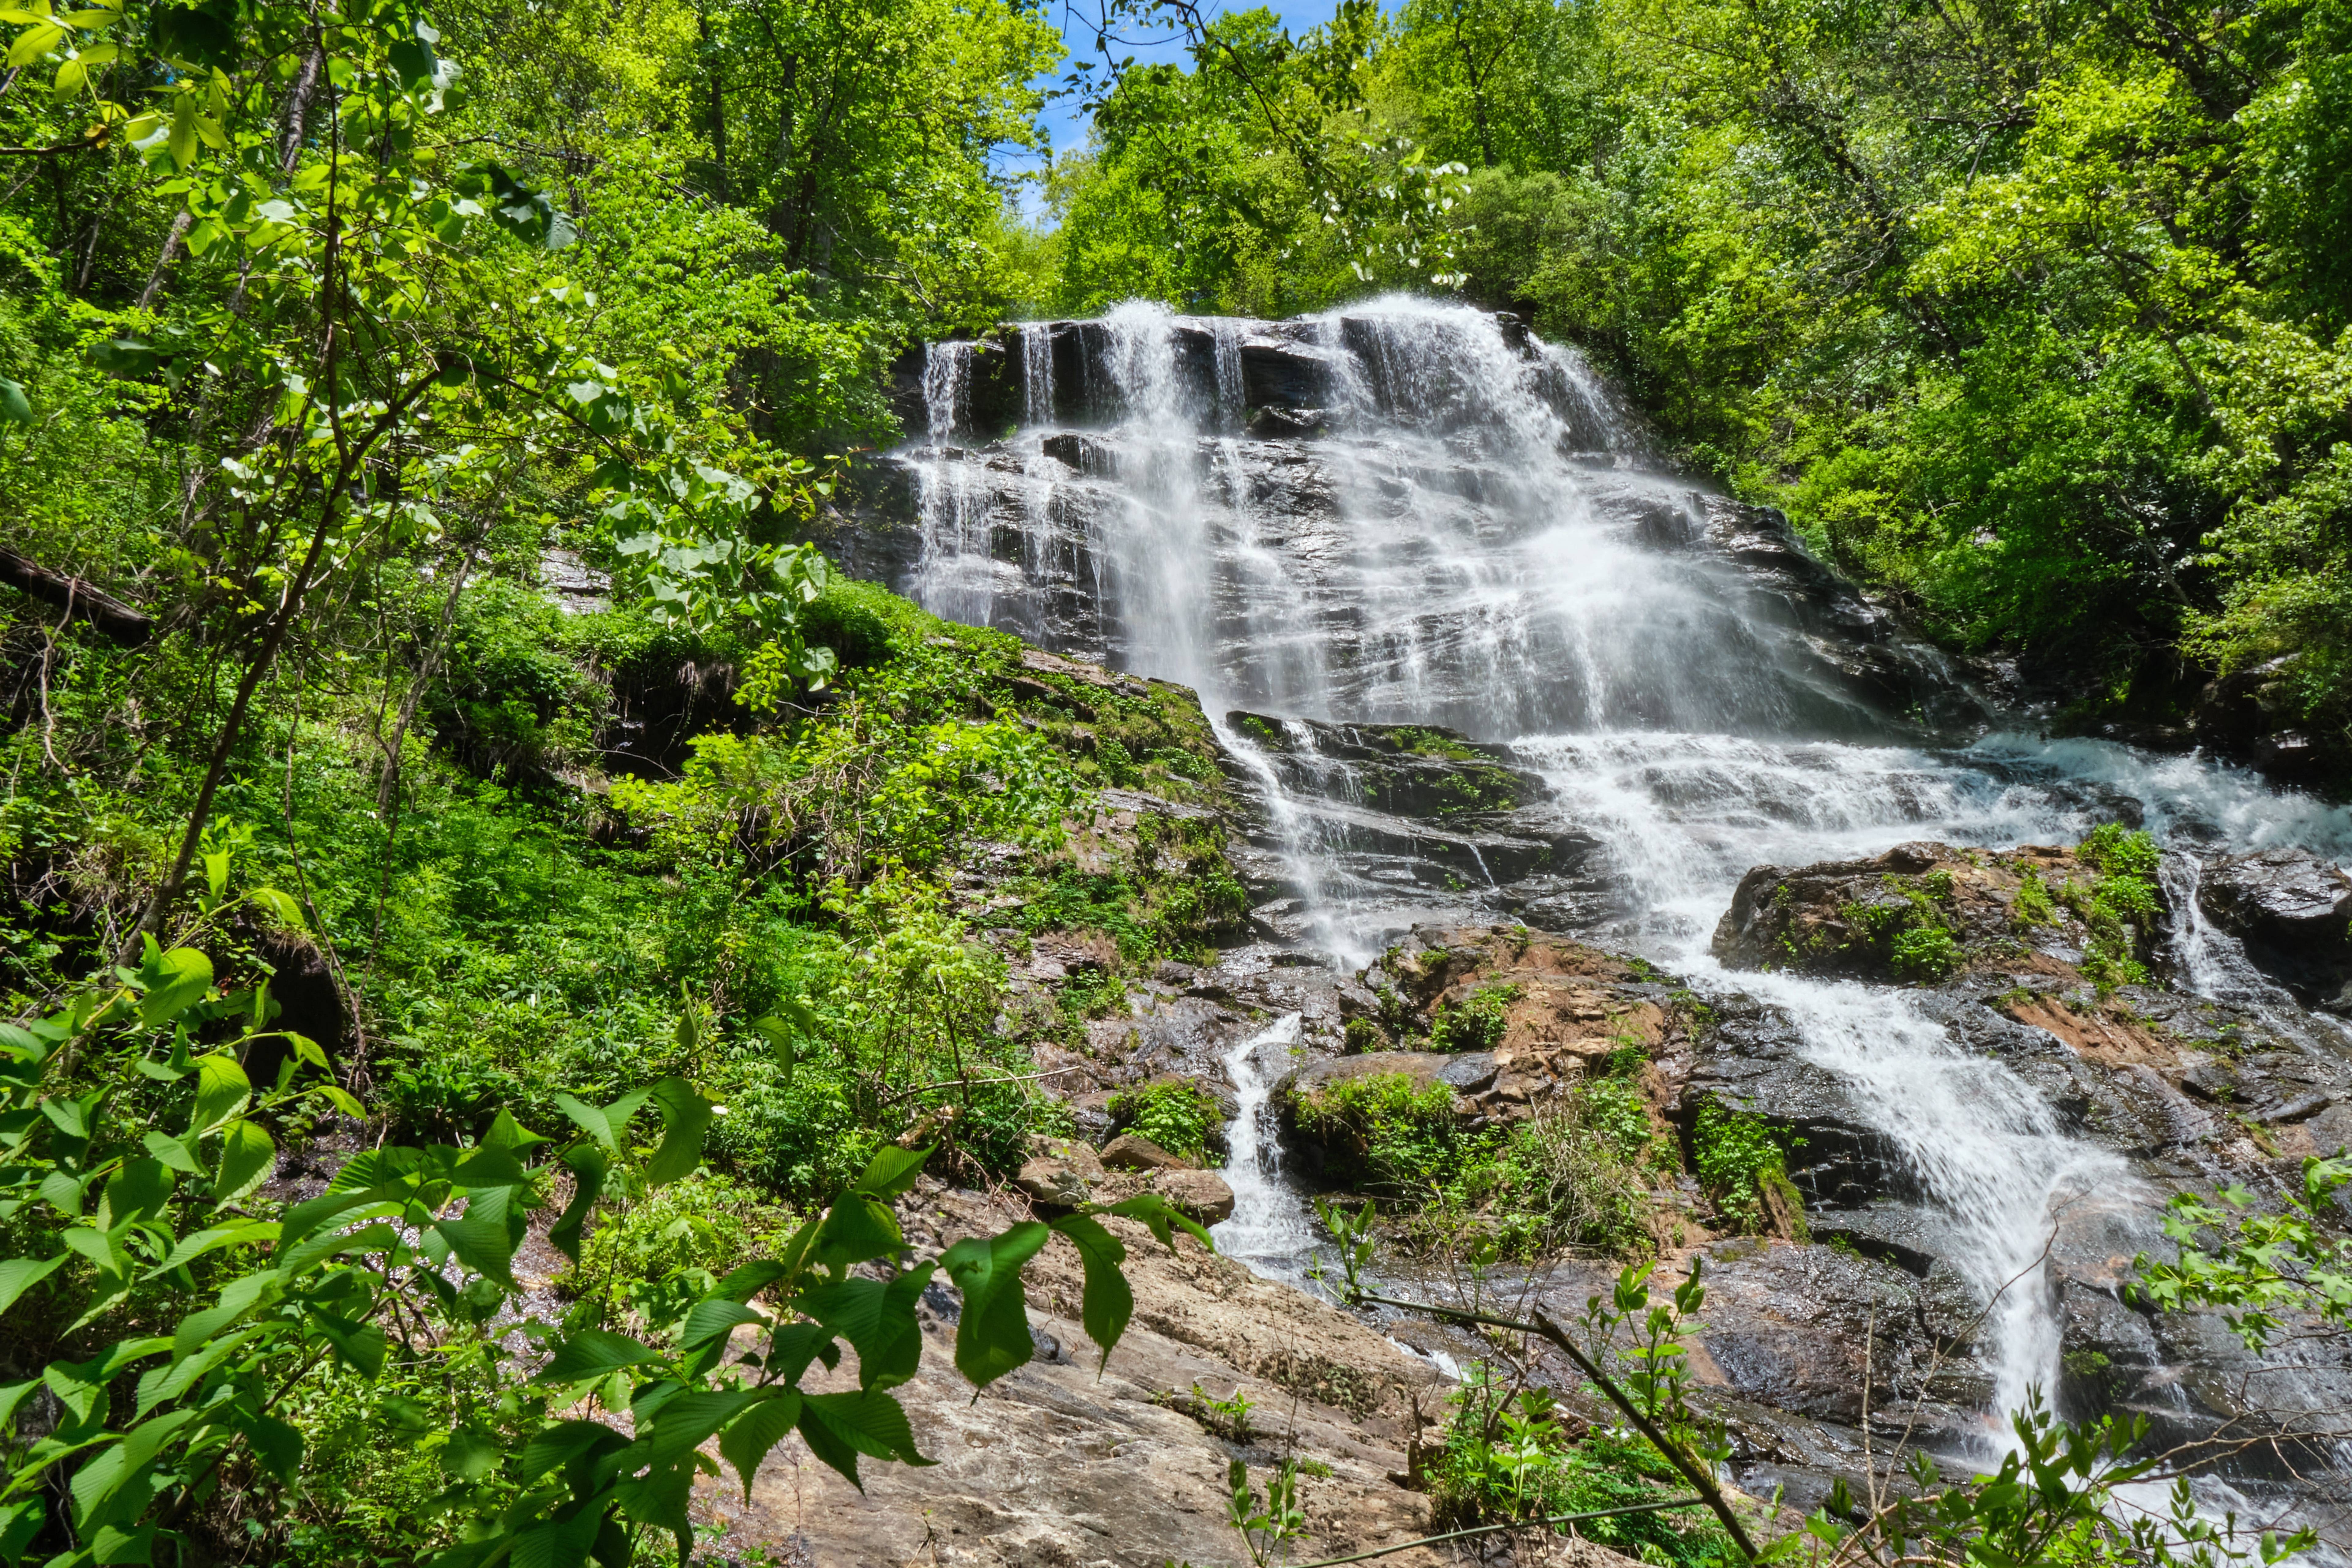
(1269, 1230)
(1410, 513)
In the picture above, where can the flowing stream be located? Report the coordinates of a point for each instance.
(1470, 535)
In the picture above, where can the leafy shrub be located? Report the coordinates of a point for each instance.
(1385, 1134)
(1924, 952)
(668, 1247)
(2033, 905)
(1475, 1023)
(1736, 1161)
(1507, 1455)
(1175, 1113)
(2120, 906)
(1363, 1036)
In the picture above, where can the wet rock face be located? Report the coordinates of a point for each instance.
(2292, 911)
(1919, 912)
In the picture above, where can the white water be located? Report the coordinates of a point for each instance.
(1477, 544)
(1270, 1229)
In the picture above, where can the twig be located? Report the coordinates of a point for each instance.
(969, 1084)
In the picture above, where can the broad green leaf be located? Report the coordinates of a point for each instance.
(686, 1422)
(470, 1454)
(594, 1353)
(856, 1228)
(588, 1167)
(363, 1346)
(484, 1245)
(182, 141)
(249, 1158)
(138, 1190)
(168, 1381)
(686, 1117)
(607, 1124)
(222, 1090)
(239, 1297)
(15, 406)
(877, 1319)
(277, 1447)
(993, 1335)
(33, 43)
(1161, 1217)
(114, 1487)
(559, 1543)
(176, 1152)
(1109, 1302)
(892, 1171)
(714, 1316)
(243, 1233)
(749, 1279)
(510, 1135)
(19, 1275)
(175, 982)
(280, 906)
(563, 1443)
(750, 1437)
(838, 1427)
(19, 1523)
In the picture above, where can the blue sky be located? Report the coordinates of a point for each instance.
(1066, 124)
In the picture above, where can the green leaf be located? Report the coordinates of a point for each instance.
(560, 1543)
(1109, 1302)
(714, 1316)
(277, 1447)
(892, 1171)
(182, 140)
(244, 1232)
(175, 1152)
(361, 1345)
(856, 1228)
(510, 1135)
(484, 1245)
(470, 1454)
(685, 1116)
(175, 982)
(594, 1353)
(588, 1167)
(414, 60)
(877, 1319)
(752, 1435)
(871, 1422)
(19, 1275)
(19, 1523)
(607, 1124)
(563, 1443)
(204, 33)
(162, 1384)
(222, 1089)
(688, 1421)
(15, 406)
(237, 1298)
(138, 1190)
(993, 1335)
(249, 1158)
(1163, 1219)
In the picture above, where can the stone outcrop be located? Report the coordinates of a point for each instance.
(1848, 918)
(2292, 912)
(1061, 1463)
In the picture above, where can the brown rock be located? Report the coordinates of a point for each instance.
(1064, 1172)
(1200, 1195)
(1132, 1151)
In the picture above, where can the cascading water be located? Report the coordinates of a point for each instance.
(1410, 513)
(1269, 1229)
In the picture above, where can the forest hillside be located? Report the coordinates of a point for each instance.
(533, 1003)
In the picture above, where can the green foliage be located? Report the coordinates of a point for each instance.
(423, 1239)
(2033, 905)
(659, 1252)
(1924, 952)
(2120, 906)
(1175, 1113)
(1738, 1160)
(1568, 1175)
(1475, 1022)
(2256, 1267)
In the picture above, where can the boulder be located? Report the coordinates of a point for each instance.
(1133, 1151)
(2293, 913)
(1063, 1173)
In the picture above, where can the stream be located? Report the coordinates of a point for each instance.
(1453, 523)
